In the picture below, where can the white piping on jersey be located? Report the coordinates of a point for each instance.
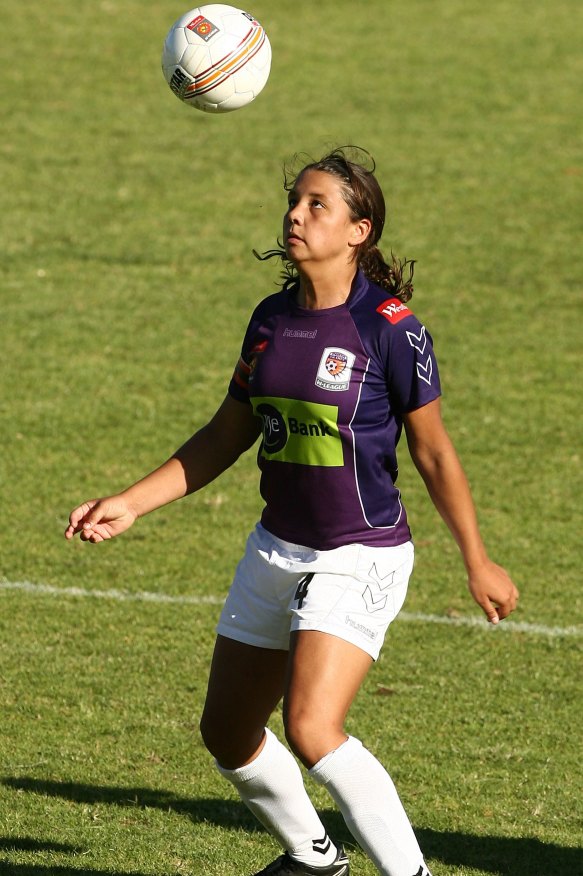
(366, 520)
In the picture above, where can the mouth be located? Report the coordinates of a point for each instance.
(292, 239)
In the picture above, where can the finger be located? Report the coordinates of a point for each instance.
(92, 521)
(491, 612)
(505, 608)
(510, 603)
(91, 536)
(77, 516)
(95, 533)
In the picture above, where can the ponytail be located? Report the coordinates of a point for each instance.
(396, 278)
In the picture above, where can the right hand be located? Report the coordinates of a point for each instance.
(493, 590)
(100, 519)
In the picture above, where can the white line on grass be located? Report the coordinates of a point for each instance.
(411, 617)
(117, 595)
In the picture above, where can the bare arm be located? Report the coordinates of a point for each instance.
(436, 460)
(210, 451)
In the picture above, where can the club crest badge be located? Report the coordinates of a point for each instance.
(203, 27)
(335, 369)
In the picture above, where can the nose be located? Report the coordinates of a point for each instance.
(294, 215)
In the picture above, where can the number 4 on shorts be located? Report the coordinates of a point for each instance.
(302, 589)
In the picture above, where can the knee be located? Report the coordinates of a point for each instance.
(216, 737)
(311, 737)
(229, 744)
(209, 734)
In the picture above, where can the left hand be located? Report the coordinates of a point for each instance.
(493, 590)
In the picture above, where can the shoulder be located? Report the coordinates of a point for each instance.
(272, 305)
(403, 347)
(383, 314)
(264, 319)
(266, 313)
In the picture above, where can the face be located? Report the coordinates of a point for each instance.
(317, 227)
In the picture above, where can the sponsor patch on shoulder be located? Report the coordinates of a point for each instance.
(394, 310)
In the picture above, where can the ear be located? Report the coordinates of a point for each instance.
(360, 231)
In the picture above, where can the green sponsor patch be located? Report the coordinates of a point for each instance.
(299, 431)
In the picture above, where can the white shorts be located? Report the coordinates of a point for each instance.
(353, 592)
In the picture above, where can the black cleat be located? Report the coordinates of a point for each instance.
(286, 866)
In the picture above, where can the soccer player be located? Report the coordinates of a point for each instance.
(333, 366)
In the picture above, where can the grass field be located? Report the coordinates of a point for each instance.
(127, 278)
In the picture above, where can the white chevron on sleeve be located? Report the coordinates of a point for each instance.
(418, 341)
(425, 371)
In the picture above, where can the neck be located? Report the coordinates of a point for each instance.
(319, 293)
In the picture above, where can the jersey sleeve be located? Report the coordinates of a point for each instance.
(239, 384)
(412, 373)
(254, 344)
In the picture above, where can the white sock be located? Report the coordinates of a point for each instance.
(365, 794)
(273, 789)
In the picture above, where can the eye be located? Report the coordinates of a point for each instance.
(316, 203)
(291, 203)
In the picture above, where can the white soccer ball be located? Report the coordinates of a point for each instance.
(216, 58)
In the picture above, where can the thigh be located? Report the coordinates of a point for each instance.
(245, 685)
(324, 675)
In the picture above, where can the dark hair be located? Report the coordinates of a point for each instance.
(363, 195)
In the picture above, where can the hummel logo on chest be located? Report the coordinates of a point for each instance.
(300, 333)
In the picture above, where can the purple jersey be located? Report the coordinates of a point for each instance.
(331, 387)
